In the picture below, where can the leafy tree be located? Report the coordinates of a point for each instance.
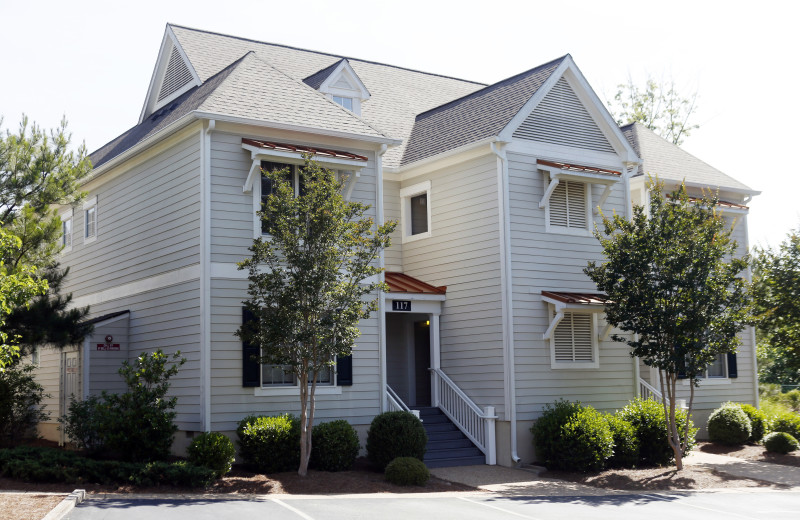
(658, 106)
(777, 298)
(673, 284)
(310, 281)
(38, 170)
(17, 287)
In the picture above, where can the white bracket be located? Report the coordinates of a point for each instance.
(603, 335)
(603, 197)
(351, 183)
(255, 170)
(549, 191)
(556, 320)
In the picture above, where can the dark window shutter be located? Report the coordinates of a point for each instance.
(682, 370)
(250, 366)
(733, 371)
(344, 370)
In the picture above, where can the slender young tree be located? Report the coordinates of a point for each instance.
(312, 279)
(675, 287)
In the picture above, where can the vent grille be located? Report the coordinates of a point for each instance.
(572, 339)
(176, 76)
(568, 205)
(561, 118)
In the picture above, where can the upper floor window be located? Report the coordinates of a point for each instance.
(346, 102)
(573, 342)
(569, 206)
(66, 231)
(268, 187)
(415, 211)
(90, 220)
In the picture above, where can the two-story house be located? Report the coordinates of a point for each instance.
(496, 189)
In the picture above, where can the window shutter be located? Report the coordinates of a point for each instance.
(682, 369)
(572, 339)
(344, 370)
(733, 371)
(576, 204)
(558, 205)
(250, 366)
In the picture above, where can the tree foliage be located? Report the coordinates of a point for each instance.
(311, 280)
(37, 171)
(658, 106)
(776, 293)
(674, 285)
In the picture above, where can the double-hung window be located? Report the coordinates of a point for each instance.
(415, 211)
(66, 231)
(268, 187)
(90, 220)
(718, 369)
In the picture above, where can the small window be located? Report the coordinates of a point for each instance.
(66, 233)
(346, 102)
(568, 206)
(90, 220)
(717, 369)
(573, 342)
(415, 211)
(279, 375)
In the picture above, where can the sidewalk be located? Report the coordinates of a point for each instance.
(775, 473)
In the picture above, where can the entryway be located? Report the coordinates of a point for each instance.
(408, 357)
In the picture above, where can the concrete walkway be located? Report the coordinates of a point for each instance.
(775, 473)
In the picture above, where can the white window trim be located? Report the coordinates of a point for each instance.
(713, 381)
(331, 388)
(92, 202)
(561, 230)
(64, 216)
(405, 210)
(357, 91)
(572, 365)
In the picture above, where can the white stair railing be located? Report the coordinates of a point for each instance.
(476, 424)
(648, 391)
(396, 404)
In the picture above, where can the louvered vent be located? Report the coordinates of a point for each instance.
(561, 118)
(176, 76)
(568, 205)
(572, 339)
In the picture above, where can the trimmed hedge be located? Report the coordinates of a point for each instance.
(547, 430)
(407, 471)
(270, 444)
(788, 422)
(758, 422)
(212, 450)
(780, 442)
(729, 424)
(650, 423)
(34, 464)
(626, 444)
(334, 446)
(395, 434)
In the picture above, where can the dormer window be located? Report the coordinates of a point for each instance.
(346, 102)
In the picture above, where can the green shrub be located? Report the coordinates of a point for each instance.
(212, 450)
(547, 430)
(780, 442)
(34, 464)
(586, 442)
(407, 471)
(650, 423)
(758, 422)
(334, 446)
(21, 405)
(270, 444)
(788, 422)
(395, 434)
(792, 398)
(626, 444)
(82, 423)
(729, 424)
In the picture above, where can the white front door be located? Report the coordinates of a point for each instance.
(70, 383)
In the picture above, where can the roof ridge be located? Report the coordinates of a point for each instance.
(325, 54)
(302, 84)
(433, 110)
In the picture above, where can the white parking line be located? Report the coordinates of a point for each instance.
(484, 504)
(292, 509)
(682, 503)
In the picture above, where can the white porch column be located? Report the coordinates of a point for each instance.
(435, 358)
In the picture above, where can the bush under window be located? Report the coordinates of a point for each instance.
(395, 434)
(334, 446)
(729, 425)
(270, 444)
(212, 450)
(649, 421)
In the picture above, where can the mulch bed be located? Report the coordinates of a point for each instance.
(752, 452)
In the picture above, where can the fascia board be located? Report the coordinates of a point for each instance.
(296, 128)
(344, 67)
(156, 68)
(442, 160)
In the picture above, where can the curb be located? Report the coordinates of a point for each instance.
(66, 505)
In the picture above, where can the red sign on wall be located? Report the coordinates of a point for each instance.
(103, 346)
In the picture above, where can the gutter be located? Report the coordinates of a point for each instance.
(506, 283)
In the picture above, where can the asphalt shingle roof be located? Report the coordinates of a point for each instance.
(671, 163)
(476, 116)
(315, 80)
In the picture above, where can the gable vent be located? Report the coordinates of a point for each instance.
(560, 118)
(176, 76)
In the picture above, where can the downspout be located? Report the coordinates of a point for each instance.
(205, 272)
(382, 264)
(498, 148)
(756, 397)
(630, 167)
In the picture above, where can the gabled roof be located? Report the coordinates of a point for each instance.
(248, 88)
(315, 80)
(398, 94)
(669, 162)
(478, 115)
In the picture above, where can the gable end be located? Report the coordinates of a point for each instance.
(176, 76)
(560, 118)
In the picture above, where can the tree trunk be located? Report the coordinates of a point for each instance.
(304, 433)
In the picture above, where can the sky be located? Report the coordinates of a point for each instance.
(92, 62)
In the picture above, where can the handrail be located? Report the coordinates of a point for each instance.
(648, 391)
(396, 404)
(476, 424)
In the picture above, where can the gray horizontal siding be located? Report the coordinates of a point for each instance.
(148, 222)
(393, 255)
(463, 253)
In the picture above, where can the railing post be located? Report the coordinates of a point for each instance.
(491, 444)
(435, 359)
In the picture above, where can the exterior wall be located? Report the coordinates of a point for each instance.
(393, 255)
(463, 253)
(104, 364)
(553, 261)
(232, 230)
